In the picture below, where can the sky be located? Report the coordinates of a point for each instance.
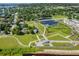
(39, 1)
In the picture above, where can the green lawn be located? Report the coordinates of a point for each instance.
(64, 44)
(41, 27)
(60, 28)
(26, 39)
(57, 37)
(8, 42)
(59, 17)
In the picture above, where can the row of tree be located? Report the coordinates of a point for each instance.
(17, 51)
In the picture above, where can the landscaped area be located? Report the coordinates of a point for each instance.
(36, 27)
(26, 39)
(60, 28)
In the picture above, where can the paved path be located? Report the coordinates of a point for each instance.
(38, 37)
(57, 41)
(36, 25)
(43, 34)
(60, 52)
(19, 42)
(65, 41)
(68, 36)
(31, 43)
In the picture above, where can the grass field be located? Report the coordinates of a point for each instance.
(57, 37)
(60, 28)
(63, 44)
(26, 39)
(57, 17)
(41, 27)
(8, 42)
(11, 42)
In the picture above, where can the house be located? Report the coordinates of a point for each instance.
(73, 24)
(35, 30)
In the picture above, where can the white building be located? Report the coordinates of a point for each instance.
(73, 23)
(15, 17)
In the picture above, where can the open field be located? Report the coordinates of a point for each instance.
(57, 37)
(57, 17)
(8, 42)
(56, 32)
(60, 28)
(62, 45)
(26, 39)
(16, 41)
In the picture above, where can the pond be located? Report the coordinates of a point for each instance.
(48, 22)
